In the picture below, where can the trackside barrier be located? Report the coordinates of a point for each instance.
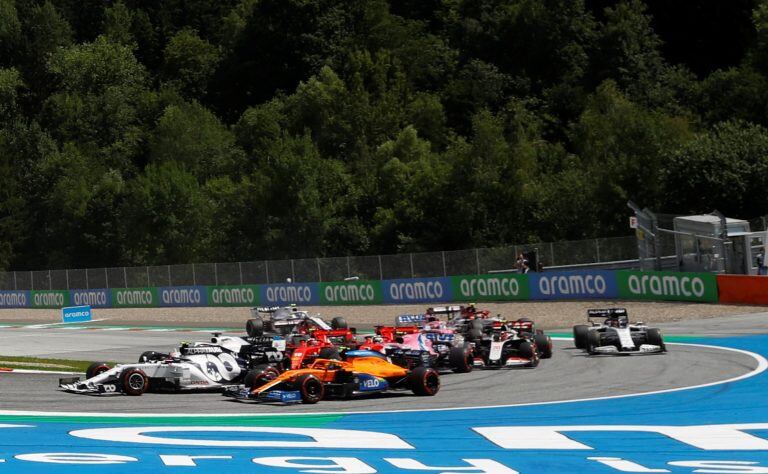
(576, 285)
(743, 289)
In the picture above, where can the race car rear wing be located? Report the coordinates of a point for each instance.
(410, 320)
(444, 310)
(606, 313)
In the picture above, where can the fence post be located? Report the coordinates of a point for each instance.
(266, 269)
(477, 260)
(216, 273)
(293, 272)
(239, 269)
(412, 272)
(66, 273)
(381, 269)
(194, 277)
(552, 253)
(50, 285)
(597, 249)
(445, 272)
(125, 277)
(106, 277)
(87, 282)
(146, 268)
(16, 287)
(32, 280)
(349, 270)
(169, 276)
(319, 275)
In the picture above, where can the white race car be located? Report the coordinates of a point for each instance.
(611, 332)
(213, 365)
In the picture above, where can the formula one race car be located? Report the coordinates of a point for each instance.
(427, 341)
(612, 333)
(512, 344)
(308, 337)
(291, 320)
(362, 373)
(210, 365)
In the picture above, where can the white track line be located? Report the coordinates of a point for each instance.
(762, 365)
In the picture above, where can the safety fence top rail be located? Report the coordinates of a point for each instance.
(371, 267)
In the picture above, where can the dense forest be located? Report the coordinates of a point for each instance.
(173, 131)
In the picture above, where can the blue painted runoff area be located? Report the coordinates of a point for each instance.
(717, 429)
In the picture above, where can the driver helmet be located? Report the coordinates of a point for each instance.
(174, 354)
(378, 339)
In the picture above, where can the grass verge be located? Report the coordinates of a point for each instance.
(36, 363)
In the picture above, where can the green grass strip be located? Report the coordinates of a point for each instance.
(36, 363)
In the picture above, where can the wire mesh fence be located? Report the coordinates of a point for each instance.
(371, 267)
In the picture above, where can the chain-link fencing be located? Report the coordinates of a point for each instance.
(371, 267)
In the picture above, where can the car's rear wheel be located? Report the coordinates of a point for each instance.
(580, 332)
(475, 330)
(339, 323)
(260, 375)
(95, 369)
(254, 327)
(543, 345)
(424, 381)
(329, 353)
(654, 338)
(311, 388)
(135, 382)
(460, 359)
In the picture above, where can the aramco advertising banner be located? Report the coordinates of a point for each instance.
(575, 285)
(667, 286)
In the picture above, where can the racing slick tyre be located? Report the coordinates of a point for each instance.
(260, 375)
(543, 345)
(339, 323)
(135, 382)
(475, 330)
(254, 327)
(424, 381)
(311, 388)
(95, 369)
(151, 356)
(329, 353)
(593, 341)
(654, 338)
(580, 332)
(527, 351)
(460, 359)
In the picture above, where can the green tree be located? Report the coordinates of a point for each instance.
(724, 169)
(190, 62)
(189, 133)
(167, 217)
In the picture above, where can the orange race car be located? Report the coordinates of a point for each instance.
(363, 372)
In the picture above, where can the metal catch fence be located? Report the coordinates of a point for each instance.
(371, 267)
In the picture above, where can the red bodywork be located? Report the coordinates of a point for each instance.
(307, 351)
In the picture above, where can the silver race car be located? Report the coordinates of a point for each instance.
(610, 332)
(213, 365)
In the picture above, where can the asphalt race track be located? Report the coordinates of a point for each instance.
(569, 375)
